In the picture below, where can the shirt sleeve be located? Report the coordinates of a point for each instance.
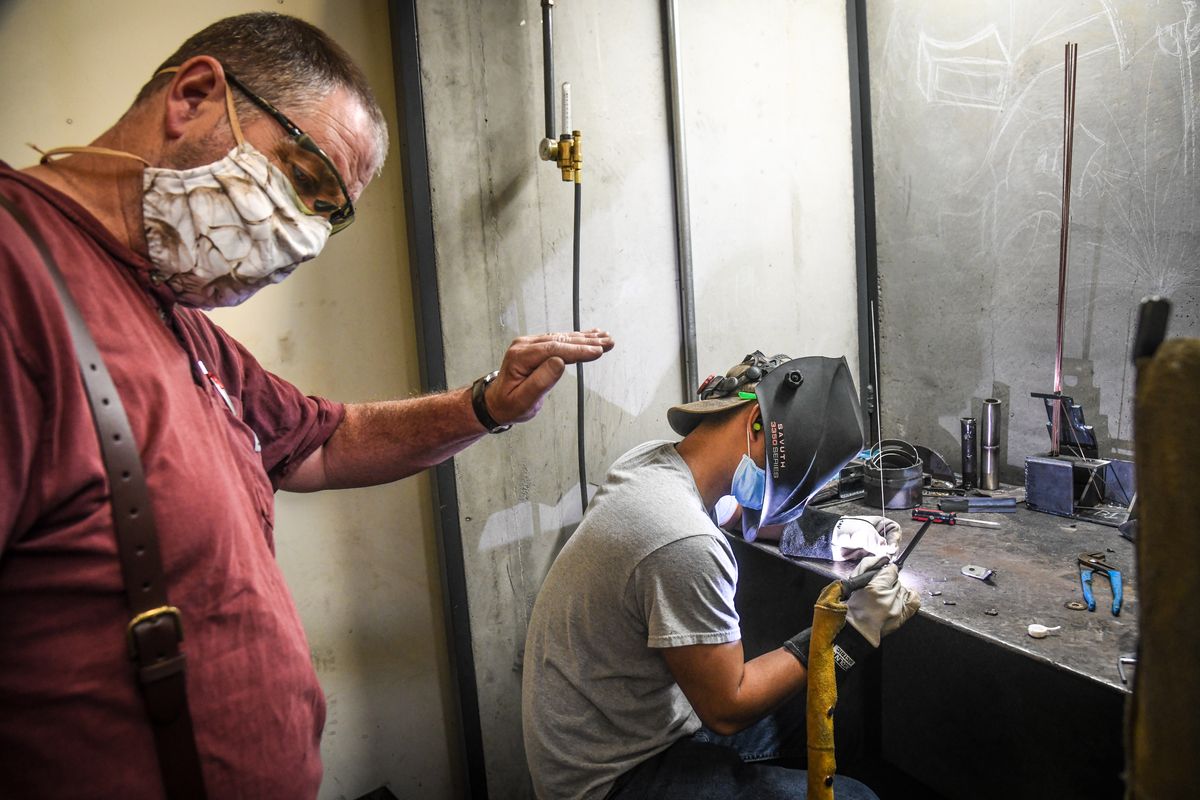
(20, 431)
(289, 424)
(685, 590)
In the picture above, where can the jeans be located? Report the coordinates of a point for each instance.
(708, 766)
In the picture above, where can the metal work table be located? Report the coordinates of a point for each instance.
(964, 701)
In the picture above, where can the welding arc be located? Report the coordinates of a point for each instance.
(852, 585)
(1069, 64)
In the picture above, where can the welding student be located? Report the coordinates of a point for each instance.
(235, 163)
(635, 684)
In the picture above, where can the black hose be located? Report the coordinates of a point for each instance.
(583, 496)
(548, 66)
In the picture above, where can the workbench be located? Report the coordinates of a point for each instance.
(961, 698)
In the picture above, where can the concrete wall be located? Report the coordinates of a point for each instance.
(362, 564)
(767, 118)
(774, 251)
(967, 121)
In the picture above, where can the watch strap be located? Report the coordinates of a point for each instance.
(479, 404)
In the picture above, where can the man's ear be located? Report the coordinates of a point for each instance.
(195, 98)
(756, 419)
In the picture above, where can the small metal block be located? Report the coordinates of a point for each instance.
(991, 612)
(949, 603)
(977, 572)
(935, 594)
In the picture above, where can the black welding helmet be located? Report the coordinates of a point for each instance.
(812, 424)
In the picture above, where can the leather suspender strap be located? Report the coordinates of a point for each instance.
(155, 630)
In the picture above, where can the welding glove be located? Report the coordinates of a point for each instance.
(858, 537)
(883, 605)
(873, 611)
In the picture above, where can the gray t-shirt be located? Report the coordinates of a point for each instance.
(646, 569)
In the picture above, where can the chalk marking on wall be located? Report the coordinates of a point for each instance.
(1141, 235)
(1182, 40)
(964, 73)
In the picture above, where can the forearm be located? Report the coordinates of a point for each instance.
(728, 693)
(767, 681)
(382, 442)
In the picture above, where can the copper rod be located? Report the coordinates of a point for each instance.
(1069, 63)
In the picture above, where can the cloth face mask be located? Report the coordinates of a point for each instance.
(219, 233)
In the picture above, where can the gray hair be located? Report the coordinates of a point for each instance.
(290, 63)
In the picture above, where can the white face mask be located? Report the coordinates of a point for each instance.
(219, 233)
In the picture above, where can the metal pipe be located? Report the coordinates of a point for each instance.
(683, 215)
(864, 206)
(989, 445)
(582, 453)
(969, 468)
(548, 64)
(989, 429)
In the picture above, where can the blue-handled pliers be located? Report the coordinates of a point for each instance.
(1091, 563)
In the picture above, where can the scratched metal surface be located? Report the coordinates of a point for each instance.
(1033, 555)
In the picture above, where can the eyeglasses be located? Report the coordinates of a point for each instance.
(307, 158)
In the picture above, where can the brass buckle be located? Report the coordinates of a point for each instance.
(147, 616)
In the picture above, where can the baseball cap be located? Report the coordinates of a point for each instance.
(721, 392)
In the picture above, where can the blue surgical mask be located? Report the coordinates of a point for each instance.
(749, 483)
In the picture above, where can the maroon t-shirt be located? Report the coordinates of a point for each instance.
(72, 722)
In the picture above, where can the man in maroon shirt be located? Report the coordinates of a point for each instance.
(235, 163)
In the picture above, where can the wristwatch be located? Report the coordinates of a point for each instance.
(480, 405)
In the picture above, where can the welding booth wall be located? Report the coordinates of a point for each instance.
(967, 130)
(766, 98)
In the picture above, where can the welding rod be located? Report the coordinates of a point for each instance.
(1069, 63)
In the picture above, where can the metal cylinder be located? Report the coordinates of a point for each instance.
(989, 429)
(970, 474)
(894, 475)
(989, 476)
(989, 445)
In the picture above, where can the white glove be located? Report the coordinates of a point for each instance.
(883, 605)
(857, 537)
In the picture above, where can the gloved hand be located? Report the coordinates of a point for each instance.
(872, 612)
(883, 605)
(857, 537)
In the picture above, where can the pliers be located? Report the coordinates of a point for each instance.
(1090, 563)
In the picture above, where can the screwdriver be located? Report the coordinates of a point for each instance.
(949, 518)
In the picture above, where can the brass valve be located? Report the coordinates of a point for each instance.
(570, 157)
